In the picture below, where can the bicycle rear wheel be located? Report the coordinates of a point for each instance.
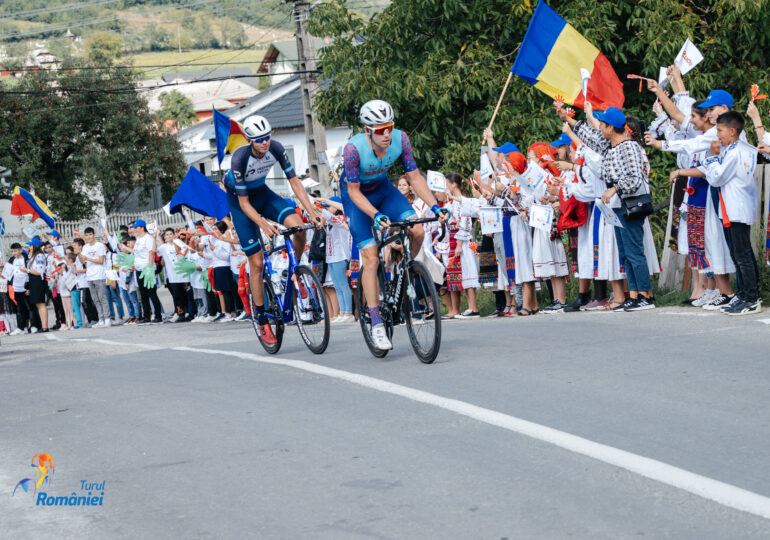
(365, 319)
(310, 312)
(420, 309)
(273, 314)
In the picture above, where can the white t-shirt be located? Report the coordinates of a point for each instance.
(170, 258)
(222, 252)
(337, 238)
(142, 248)
(195, 278)
(82, 279)
(95, 271)
(20, 278)
(38, 264)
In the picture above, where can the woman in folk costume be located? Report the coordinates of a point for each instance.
(510, 163)
(548, 254)
(576, 204)
(462, 272)
(600, 257)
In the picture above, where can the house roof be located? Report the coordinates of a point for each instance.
(241, 110)
(241, 72)
(206, 95)
(287, 49)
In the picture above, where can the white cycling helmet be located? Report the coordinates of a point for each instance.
(255, 127)
(376, 112)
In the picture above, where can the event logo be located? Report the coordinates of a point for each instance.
(91, 493)
(43, 463)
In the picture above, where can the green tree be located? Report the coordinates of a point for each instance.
(233, 35)
(443, 65)
(104, 48)
(80, 134)
(176, 106)
(156, 38)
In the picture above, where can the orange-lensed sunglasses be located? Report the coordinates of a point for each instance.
(383, 129)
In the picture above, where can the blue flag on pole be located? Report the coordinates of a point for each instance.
(200, 194)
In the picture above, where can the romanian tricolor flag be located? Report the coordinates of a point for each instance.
(25, 203)
(229, 135)
(551, 57)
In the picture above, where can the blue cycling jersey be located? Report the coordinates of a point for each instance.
(248, 172)
(362, 166)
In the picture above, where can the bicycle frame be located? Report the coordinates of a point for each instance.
(288, 286)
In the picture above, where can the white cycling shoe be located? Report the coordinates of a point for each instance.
(380, 338)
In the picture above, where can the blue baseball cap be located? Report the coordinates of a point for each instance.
(612, 116)
(564, 140)
(139, 223)
(507, 148)
(336, 199)
(717, 97)
(35, 242)
(53, 233)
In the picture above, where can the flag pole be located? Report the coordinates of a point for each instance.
(500, 101)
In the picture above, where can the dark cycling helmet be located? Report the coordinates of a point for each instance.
(255, 127)
(376, 112)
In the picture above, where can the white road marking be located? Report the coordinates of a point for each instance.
(702, 486)
(766, 321)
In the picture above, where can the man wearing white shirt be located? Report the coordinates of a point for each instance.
(144, 255)
(92, 255)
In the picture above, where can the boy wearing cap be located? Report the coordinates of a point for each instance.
(730, 167)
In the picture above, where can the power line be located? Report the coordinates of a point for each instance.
(95, 21)
(46, 11)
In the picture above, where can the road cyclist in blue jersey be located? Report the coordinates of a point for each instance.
(371, 201)
(253, 205)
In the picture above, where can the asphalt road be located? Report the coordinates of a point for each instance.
(592, 425)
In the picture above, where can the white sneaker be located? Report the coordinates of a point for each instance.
(346, 318)
(706, 298)
(16, 332)
(107, 323)
(100, 324)
(242, 316)
(33, 330)
(174, 318)
(380, 338)
(226, 318)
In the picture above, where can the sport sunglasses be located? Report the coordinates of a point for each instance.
(383, 129)
(260, 140)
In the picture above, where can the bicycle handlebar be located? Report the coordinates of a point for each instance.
(409, 223)
(292, 230)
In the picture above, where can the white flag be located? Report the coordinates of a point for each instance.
(688, 57)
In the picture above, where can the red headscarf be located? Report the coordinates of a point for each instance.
(546, 155)
(518, 161)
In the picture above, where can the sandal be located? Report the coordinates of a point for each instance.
(609, 306)
(528, 312)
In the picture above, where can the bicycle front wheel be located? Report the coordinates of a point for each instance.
(273, 314)
(365, 319)
(310, 310)
(422, 314)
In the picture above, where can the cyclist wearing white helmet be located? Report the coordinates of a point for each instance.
(252, 203)
(370, 199)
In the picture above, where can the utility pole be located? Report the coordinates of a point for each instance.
(314, 131)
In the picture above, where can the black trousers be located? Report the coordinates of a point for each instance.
(212, 302)
(88, 305)
(149, 295)
(23, 310)
(179, 294)
(746, 270)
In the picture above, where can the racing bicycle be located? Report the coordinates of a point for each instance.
(293, 294)
(408, 295)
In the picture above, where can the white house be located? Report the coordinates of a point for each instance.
(281, 59)
(281, 104)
